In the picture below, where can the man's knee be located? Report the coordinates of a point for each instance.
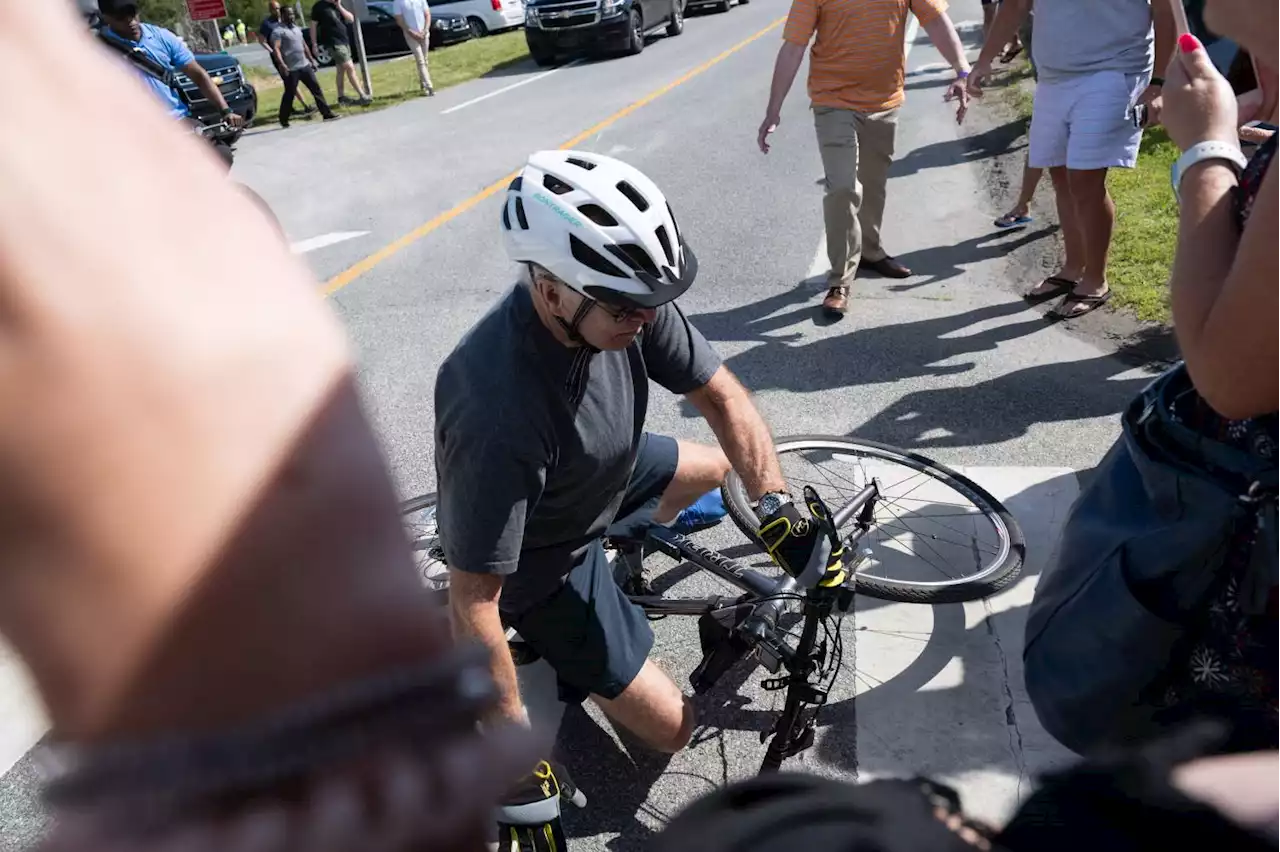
(701, 466)
(681, 737)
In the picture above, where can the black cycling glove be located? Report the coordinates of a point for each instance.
(529, 817)
(805, 547)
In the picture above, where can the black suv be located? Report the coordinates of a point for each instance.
(556, 27)
(227, 75)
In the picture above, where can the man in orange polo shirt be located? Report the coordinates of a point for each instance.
(856, 73)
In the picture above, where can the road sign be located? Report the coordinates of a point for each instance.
(207, 10)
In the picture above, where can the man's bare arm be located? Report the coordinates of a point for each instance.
(784, 75)
(742, 432)
(944, 37)
(473, 610)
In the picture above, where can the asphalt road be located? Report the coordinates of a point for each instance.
(392, 213)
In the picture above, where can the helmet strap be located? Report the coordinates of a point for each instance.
(571, 327)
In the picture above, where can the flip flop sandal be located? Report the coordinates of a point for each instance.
(1060, 285)
(1091, 303)
(1011, 54)
(1009, 220)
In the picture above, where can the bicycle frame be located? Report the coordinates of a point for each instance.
(750, 621)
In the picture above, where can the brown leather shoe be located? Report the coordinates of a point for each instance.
(836, 304)
(886, 266)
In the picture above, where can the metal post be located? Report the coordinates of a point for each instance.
(360, 10)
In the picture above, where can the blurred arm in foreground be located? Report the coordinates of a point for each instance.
(197, 531)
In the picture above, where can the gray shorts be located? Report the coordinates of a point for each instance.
(341, 53)
(592, 635)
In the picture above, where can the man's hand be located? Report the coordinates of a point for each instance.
(958, 91)
(796, 543)
(529, 817)
(770, 124)
(235, 120)
(1152, 97)
(978, 75)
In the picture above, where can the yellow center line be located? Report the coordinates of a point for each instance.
(345, 277)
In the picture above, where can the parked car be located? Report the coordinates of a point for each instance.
(228, 76)
(485, 16)
(383, 36)
(557, 27)
(717, 5)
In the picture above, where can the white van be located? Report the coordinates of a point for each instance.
(485, 16)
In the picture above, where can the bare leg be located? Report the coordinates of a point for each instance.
(1096, 215)
(700, 468)
(1021, 207)
(350, 70)
(654, 709)
(341, 82)
(1072, 236)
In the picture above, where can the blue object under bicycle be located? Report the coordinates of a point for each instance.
(707, 511)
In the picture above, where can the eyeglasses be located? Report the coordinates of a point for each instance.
(620, 315)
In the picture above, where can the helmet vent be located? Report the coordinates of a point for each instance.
(582, 164)
(506, 216)
(592, 259)
(633, 195)
(634, 256)
(666, 244)
(598, 214)
(515, 184)
(524, 223)
(556, 185)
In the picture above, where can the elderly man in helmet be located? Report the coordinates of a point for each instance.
(541, 448)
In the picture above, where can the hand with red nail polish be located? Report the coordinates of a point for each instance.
(1199, 104)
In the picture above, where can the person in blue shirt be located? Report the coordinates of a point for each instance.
(164, 48)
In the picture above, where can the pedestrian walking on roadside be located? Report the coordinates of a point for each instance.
(293, 53)
(329, 22)
(414, 18)
(1094, 66)
(268, 26)
(857, 69)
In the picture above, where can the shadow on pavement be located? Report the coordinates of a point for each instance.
(941, 263)
(615, 780)
(874, 355)
(966, 149)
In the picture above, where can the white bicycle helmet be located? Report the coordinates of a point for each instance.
(600, 226)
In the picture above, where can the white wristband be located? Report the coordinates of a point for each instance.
(1201, 151)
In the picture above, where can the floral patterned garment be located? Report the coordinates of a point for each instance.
(1227, 664)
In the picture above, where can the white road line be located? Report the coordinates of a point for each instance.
(913, 27)
(304, 246)
(24, 721)
(820, 266)
(505, 89)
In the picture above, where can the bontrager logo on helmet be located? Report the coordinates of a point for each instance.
(599, 225)
(560, 211)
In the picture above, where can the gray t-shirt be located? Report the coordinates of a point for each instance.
(535, 441)
(292, 47)
(1073, 37)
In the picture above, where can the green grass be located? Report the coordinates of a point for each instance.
(1146, 212)
(1146, 229)
(397, 80)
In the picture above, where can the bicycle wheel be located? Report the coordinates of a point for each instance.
(969, 546)
(419, 517)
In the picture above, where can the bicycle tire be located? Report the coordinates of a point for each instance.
(985, 583)
(410, 507)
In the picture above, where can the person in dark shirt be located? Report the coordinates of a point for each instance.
(329, 23)
(269, 25)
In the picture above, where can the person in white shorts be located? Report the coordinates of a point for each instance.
(1094, 60)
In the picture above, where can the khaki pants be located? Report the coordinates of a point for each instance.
(419, 51)
(856, 149)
